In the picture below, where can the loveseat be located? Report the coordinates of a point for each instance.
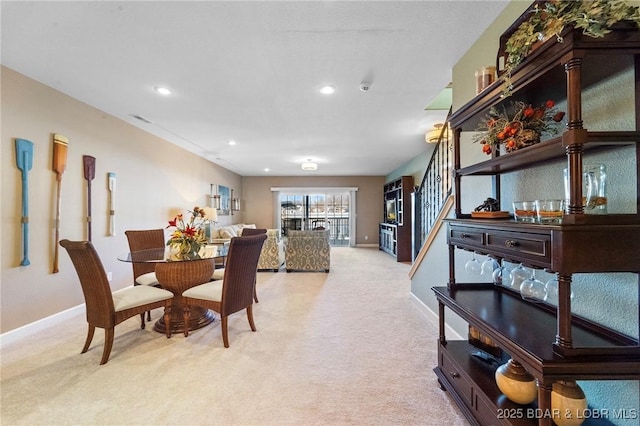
(308, 251)
(272, 254)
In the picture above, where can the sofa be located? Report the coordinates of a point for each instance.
(223, 234)
(308, 251)
(272, 254)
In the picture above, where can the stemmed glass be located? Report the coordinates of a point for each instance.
(473, 266)
(501, 276)
(488, 266)
(518, 275)
(551, 291)
(532, 288)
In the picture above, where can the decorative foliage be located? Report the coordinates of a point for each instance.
(189, 236)
(522, 128)
(594, 18)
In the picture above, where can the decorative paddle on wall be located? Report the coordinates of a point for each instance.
(60, 145)
(112, 212)
(24, 160)
(89, 164)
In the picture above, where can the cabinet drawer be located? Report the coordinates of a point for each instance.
(485, 411)
(463, 387)
(466, 237)
(520, 246)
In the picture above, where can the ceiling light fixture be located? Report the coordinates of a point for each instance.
(231, 143)
(309, 166)
(433, 135)
(162, 90)
(327, 90)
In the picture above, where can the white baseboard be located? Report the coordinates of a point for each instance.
(26, 330)
(450, 332)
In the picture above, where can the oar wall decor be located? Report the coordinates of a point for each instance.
(111, 177)
(60, 146)
(24, 161)
(89, 165)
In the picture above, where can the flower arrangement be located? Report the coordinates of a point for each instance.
(594, 18)
(523, 128)
(189, 236)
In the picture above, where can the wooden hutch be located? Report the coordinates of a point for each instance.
(550, 342)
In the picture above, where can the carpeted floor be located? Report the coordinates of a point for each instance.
(345, 348)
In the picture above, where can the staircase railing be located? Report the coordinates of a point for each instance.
(436, 187)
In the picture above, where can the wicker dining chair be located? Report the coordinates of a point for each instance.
(233, 293)
(144, 273)
(106, 309)
(218, 274)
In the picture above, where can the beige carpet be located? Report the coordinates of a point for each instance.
(345, 348)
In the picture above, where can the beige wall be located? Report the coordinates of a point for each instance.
(259, 200)
(155, 180)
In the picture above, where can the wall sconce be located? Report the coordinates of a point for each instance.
(433, 135)
(235, 204)
(215, 198)
(232, 203)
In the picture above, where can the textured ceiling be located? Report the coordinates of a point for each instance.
(249, 71)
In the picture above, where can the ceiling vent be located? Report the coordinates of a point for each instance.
(141, 118)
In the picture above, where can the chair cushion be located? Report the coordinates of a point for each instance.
(207, 291)
(218, 274)
(131, 297)
(147, 279)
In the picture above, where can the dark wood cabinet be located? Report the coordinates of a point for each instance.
(549, 341)
(388, 238)
(395, 231)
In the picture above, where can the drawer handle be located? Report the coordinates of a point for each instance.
(511, 243)
(464, 235)
(454, 374)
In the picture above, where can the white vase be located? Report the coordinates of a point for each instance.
(569, 402)
(516, 383)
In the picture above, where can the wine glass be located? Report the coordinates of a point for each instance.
(473, 266)
(532, 288)
(518, 275)
(551, 291)
(488, 267)
(501, 275)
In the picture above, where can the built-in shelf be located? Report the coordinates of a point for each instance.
(395, 231)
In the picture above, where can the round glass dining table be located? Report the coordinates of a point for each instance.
(178, 274)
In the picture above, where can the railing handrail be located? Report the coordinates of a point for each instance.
(432, 235)
(434, 190)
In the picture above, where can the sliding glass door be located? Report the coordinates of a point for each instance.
(309, 211)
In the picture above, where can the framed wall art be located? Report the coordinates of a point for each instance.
(225, 200)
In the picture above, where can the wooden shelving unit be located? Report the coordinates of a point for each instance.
(395, 231)
(550, 342)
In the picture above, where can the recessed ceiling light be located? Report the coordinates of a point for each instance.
(327, 89)
(267, 169)
(162, 90)
(232, 142)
